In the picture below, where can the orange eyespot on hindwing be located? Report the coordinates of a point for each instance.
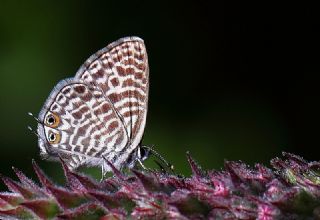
(52, 120)
(53, 138)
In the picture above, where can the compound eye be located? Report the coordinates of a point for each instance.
(54, 138)
(52, 120)
(143, 153)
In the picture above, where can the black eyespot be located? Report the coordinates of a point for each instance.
(51, 120)
(52, 137)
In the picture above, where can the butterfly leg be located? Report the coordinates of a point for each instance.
(102, 173)
(141, 164)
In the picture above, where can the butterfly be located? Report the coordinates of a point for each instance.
(100, 114)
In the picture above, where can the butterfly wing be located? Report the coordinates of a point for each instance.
(121, 71)
(80, 125)
(101, 111)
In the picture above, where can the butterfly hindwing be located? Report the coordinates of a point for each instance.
(88, 124)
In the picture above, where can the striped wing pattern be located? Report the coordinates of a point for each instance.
(102, 110)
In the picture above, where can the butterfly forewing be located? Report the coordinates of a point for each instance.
(102, 110)
(121, 71)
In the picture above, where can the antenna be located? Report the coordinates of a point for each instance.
(161, 158)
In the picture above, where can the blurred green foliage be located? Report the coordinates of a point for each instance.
(214, 91)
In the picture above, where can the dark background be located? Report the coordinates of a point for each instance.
(228, 81)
